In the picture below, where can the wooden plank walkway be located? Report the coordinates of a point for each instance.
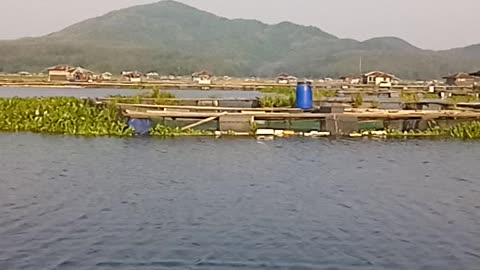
(265, 115)
(206, 108)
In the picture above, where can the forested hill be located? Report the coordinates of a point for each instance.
(173, 38)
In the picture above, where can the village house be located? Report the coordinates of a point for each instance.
(152, 75)
(292, 79)
(379, 78)
(459, 79)
(284, 78)
(106, 76)
(202, 77)
(476, 74)
(24, 74)
(82, 75)
(69, 73)
(477, 77)
(351, 79)
(132, 76)
(60, 73)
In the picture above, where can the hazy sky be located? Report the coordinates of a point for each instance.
(430, 24)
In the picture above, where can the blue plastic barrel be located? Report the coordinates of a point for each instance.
(304, 96)
(141, 126)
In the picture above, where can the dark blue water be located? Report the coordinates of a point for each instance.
(201, 203)
(8, 92)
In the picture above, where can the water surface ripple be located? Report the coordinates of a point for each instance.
(200, 203)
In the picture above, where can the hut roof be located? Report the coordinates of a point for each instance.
(379, 74)
(62, 68)
(132, 74)
(476, 74)
(461, 75)
(82, 70)
(201, 73)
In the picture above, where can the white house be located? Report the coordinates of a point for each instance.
(132, 76)
(202, 77)
(152, 75)
(60, 73)
(284, 78)
(379, 78)
(69, 73)
(106, 76)
(24, 74)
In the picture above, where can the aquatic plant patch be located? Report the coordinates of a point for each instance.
(286, 96)
(156, 97)
(164, 131)
(465, 131)
(61, 116)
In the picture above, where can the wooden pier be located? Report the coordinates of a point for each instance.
(348, 121)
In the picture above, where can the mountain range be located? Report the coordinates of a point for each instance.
(172, 38)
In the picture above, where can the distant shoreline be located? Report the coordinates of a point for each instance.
(239, 86)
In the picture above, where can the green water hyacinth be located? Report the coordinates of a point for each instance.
(467, 130)
(286, 96)
(56, 115)
(279, 97)
(163, 131)
(278, 101)
(464, 131)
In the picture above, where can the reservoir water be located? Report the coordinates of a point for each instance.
(24, 92)
(202, 203)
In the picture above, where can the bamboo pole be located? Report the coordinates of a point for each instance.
(208, 108)
(204, 121)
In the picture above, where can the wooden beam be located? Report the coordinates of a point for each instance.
(204, 121)
(194, 115)
(209, 108)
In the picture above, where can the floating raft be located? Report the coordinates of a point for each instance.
(195, 112)
(343, 122)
